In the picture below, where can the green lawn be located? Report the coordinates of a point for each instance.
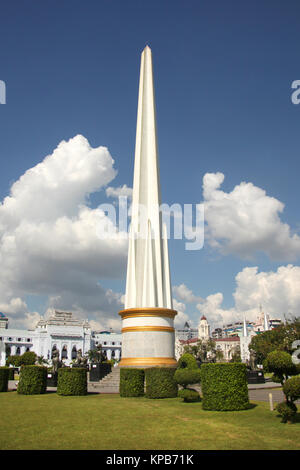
(110, 422)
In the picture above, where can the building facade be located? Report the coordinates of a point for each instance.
(62, 332)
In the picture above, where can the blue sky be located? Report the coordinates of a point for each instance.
(223, 74)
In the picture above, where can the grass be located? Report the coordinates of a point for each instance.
(105, 422)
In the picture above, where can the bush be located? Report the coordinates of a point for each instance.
(224, 386)
(132, 382)
(187, 361)
(187, 377)
(291, 389)
(281, 364)
(72, 381)
(160, 382)
(13, 361)
(189, 395)
(11, 373)
(33, 380)
(4, 377)
(28, 358)
(287, 411)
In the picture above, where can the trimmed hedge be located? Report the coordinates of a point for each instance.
(287, 411)
(291, 388)
(72, 381)
(224, 386)
(132, 382)
(189, 395)
(11, 373)
(4, 377)
(33, 380)
(160, 382)
(187, 377)
(187, 361)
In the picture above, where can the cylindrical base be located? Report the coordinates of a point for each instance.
(148, 337)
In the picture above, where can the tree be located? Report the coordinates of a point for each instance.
(280, 339)
(236, 354)
(203, 350)
(281, 364)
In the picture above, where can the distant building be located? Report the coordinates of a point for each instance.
(203, 329)
(186, 332)
(228, 346)
(62, 331)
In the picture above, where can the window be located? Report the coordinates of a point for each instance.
(105, 342)
(19, 339)
(28, 340)
(113, 343)
(9, 339)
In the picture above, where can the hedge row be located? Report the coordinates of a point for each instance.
(224, 386)
(4, 377)
(160, 382)
(72, 381)
(33, 380)
(132, 382)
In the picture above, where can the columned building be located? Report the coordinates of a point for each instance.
(62, 332)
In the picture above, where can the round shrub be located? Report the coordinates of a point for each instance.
(280, 363)
(132, 382)
(224, 386)
(33, 380)
(287, 411)
(187, 377)
(291, 388)
(188, 361)
(72, 381)
(4, 377)
(189, 395)
(160, 382)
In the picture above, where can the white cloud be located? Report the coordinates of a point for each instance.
(181, 316)
(185, 294)
(120, 191)
(49, 236)
(246, 221)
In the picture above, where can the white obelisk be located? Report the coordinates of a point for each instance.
(148, 336)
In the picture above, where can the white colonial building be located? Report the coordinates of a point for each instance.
(63, 332)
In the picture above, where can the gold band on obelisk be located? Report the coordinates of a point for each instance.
(147, 312)
(148, 361)
(128, 329)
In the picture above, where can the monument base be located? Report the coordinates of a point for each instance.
(148, 337)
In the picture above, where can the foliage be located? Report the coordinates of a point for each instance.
(33, 380)
(203, 350)
(287, 410)
(281, 364)
(27, 359)
(188, 361)
(4, 377)
(160, 382)
(291, 389)
(185, 377)
(132, 382)
(280, 338)
(40, 360)
(224, 386)
(96, 355)
(13, 361)
(72, 381)
(236, 354)
(189, 395)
